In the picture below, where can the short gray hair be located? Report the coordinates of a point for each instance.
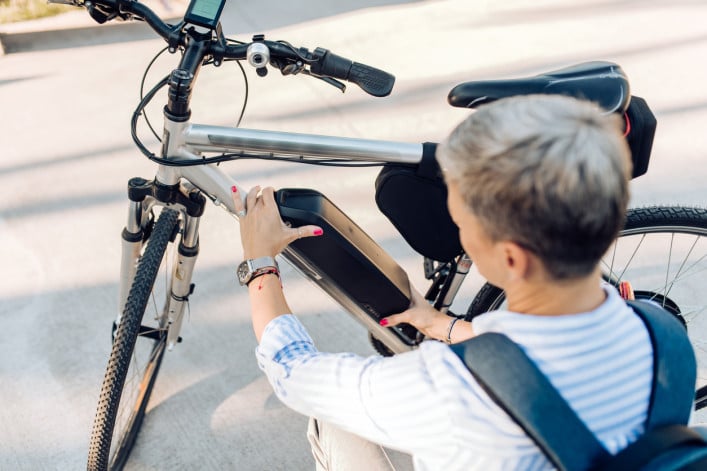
(548, 172)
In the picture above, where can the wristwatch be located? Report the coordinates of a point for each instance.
(254, 267)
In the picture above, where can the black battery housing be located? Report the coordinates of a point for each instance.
(347, 257)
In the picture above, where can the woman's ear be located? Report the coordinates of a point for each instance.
(517, 261)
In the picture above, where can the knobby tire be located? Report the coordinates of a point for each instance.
(101, 455)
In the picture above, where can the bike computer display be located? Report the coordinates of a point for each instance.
(204, 13)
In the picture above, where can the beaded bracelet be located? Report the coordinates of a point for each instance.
(270, 271)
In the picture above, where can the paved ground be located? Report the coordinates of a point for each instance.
(65, 104)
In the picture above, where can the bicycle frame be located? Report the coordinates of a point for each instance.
(183, 182)
(183, 141)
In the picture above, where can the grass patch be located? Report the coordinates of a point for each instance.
(12, 11)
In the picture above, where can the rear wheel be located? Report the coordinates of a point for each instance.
(662, 252)
(138, 348)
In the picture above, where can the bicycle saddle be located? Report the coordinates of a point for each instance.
(604, 83)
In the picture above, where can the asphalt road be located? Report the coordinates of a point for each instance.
(65, 107)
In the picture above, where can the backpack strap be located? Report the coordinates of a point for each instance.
(674, 366)
(516, 384)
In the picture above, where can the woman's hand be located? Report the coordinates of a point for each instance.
(421, 315)
(262, 231)
(264, 234)
(429, 321)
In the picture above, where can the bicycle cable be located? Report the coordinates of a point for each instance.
(142, 89)
(246, 84)
(208, 62)
(139, 112)
(295, 51)
(145, 99)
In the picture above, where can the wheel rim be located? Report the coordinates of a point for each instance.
(668, 266)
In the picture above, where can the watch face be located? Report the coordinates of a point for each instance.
(250, 268)
(243, 272)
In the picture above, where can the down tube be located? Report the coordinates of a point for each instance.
(211, 180)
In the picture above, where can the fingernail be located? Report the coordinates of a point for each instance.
(234, 189)
(383, 322)
(318, 232)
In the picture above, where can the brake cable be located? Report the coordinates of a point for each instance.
(142, 90)
(208, 62)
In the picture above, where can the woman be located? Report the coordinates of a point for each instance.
(538, 188)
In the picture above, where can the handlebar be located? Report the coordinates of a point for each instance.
(320, 63)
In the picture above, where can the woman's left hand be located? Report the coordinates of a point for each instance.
(421, 315)
(431, 322)
(262, 231)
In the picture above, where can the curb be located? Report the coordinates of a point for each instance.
(78, 29)
(74, 37)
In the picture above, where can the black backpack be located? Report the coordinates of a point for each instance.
(516, 384)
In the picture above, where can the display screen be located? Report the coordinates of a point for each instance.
(204, 13)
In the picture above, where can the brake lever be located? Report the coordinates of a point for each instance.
(294, 68)
(329, 80)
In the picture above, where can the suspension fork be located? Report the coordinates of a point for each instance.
(144, 194)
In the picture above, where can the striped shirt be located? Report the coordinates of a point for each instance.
(426, 403)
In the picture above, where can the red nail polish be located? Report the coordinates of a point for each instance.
(383, 322)
(234, 189)
(318, 232)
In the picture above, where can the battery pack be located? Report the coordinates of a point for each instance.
(347, 257)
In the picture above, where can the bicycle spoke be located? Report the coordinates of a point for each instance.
(613, 259)
(635, 251)
(688, 273)
(667, 268)
(681, 278)
(681, 266)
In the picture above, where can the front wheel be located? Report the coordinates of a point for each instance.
(662, 252)
(135, 359)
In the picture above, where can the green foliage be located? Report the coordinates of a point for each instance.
(21, 10)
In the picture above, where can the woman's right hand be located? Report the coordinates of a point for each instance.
(262, 231)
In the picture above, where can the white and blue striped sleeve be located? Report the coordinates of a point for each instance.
(373, 397)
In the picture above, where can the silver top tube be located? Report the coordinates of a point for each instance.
(204, 138)
(185, 141)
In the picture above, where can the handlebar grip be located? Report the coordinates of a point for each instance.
(373, 81)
